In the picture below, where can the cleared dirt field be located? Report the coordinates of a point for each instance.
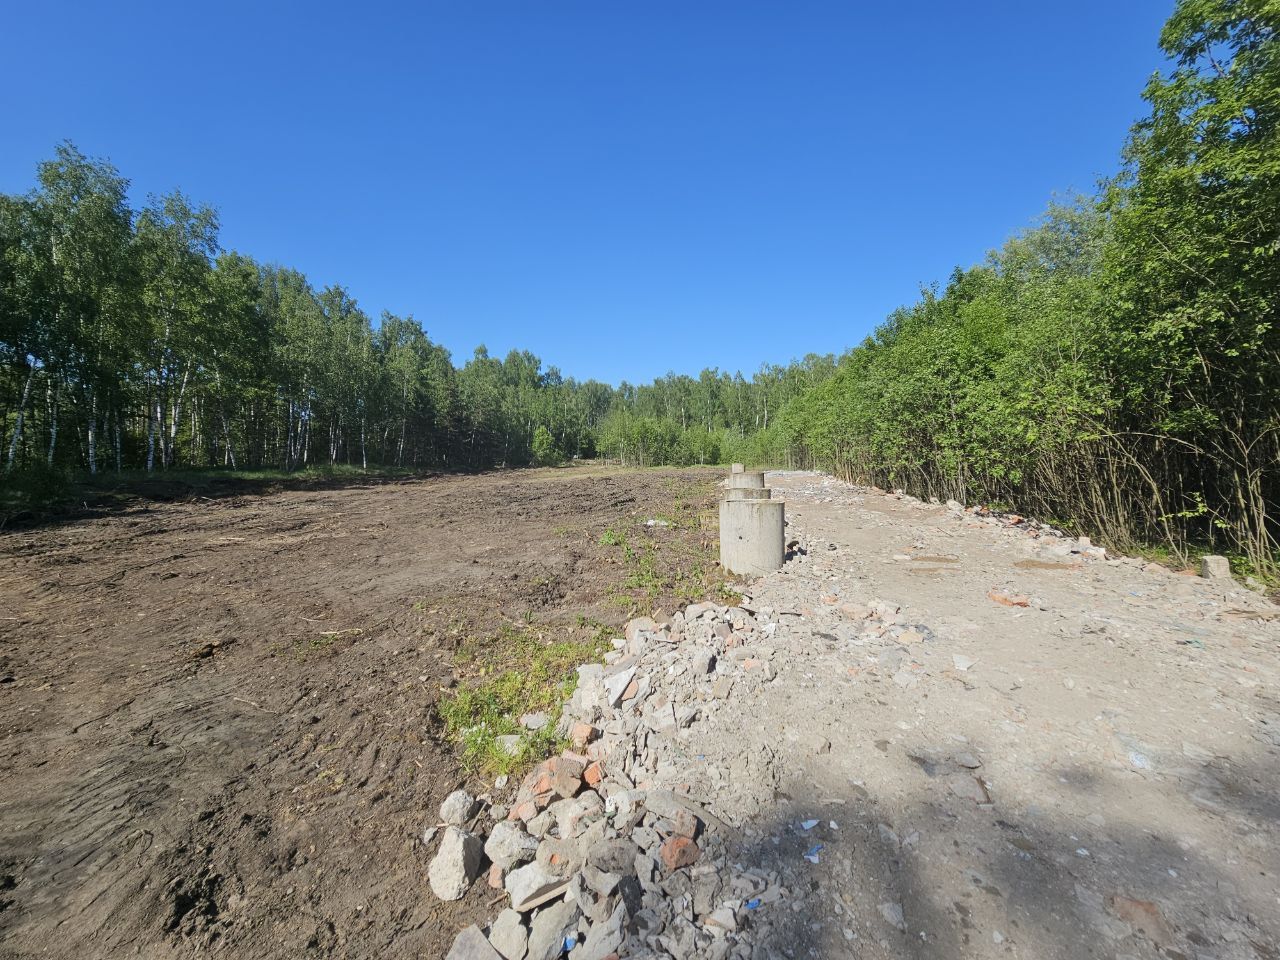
(218, 715)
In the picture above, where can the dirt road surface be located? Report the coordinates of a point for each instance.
(1020, 751)
(216, 716)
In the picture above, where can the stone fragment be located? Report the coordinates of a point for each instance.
(566, 776)
(906, 677)
(534, 721)
(961, 662)
(458, 808)
(695, 610)
(968, 760)
(509, 846)
(593, 774)
(616, 685)
(560, 856)
(571, 814)
(531, 886)
(625, 808)
(1213, 567)
(892, 913)
(605, 938)
(684, 824)
(679, 852)
(549, 928)
(640, 626)
(539, 826)
(456, 864)
(969, 788)
(581, 734)
(725, 918)
(471, 944)
(593, 906)
(614, 856)
(508, 935)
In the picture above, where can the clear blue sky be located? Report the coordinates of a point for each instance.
(624, 188)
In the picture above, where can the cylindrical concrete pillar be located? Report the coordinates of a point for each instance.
(747, 493)
(749, 478)
(752, 536)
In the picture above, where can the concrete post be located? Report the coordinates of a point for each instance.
(752, 536)
(747, 493)
(749, 478)
(737, 468)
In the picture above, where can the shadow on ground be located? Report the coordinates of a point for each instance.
(109, 497)
(931, 878)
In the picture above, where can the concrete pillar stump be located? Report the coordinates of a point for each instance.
(752, 536)
(747, 493)
(748, 478)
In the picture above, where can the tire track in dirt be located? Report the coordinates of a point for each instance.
(218, 734)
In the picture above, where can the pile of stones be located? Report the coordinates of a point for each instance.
(611, 849)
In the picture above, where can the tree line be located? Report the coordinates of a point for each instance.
(1117, 367)
(130, 340)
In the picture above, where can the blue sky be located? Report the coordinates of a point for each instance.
(622, 188)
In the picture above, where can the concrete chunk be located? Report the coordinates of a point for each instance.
(508, 845)
(508, 935)
(470, 944)
(532, 885)
(549, 928)
(1215, 568)
(456, 864)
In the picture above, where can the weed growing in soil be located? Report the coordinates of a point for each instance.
(658, 564)
(516, 672)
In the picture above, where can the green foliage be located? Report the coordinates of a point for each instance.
(1116, 366)
(545, 453)
(34, 487)
(518, 672)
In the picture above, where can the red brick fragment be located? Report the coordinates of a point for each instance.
(679, 852)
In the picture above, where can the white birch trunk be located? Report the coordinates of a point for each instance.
(175, 416)
(153, 417)
(93, 433)
(22, 409)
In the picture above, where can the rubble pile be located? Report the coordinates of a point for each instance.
(614, 848)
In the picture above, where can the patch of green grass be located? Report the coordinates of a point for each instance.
(516, 672)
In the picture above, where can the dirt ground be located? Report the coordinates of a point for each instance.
(217, 714)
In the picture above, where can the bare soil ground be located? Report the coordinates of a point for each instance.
(217, 716)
